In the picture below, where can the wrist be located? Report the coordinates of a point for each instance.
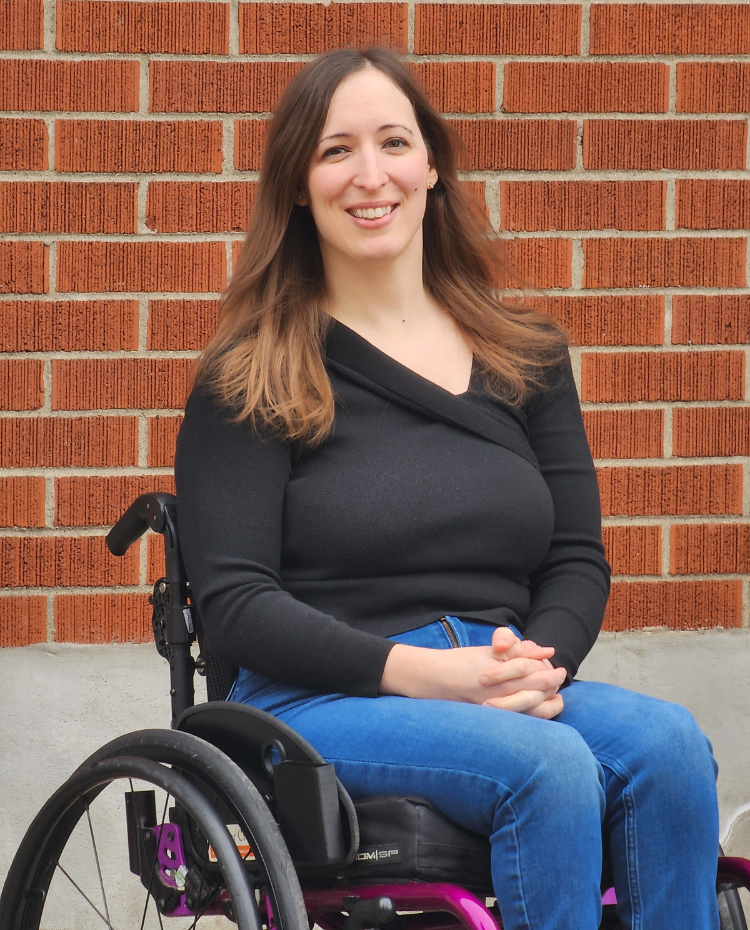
(413, 671)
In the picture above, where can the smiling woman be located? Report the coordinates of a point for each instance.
(354, 132)
(390, 520)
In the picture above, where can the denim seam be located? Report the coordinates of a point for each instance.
(631, 846)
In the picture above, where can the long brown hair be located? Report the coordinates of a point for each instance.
(266, 359)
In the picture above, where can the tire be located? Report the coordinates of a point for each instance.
(731, 914)
(73, 855)
(221, 780)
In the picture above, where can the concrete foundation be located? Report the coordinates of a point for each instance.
(59, 703)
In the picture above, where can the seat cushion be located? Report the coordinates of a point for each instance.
(408, 838)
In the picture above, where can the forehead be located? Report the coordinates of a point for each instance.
(368, 98)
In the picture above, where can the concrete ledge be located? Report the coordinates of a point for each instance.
(59, 703)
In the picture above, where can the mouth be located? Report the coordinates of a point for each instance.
(371, 213)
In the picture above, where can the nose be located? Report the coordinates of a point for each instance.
(370, 172)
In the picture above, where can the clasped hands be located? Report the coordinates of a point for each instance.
(511, 673)
(522, 678)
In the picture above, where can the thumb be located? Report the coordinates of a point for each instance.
(503, 639)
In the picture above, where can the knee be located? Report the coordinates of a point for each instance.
(672, 742)
(568, 769)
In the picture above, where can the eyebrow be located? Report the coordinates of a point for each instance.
(348, 135)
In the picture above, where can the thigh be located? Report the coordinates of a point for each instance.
(466, 759)
(627, 731)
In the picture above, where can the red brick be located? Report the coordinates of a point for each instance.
(308, 28)
(47, 84)
(101, 501)
(162, 437)
(22, 24)
(236, 252)
(683, 144)
(669, 29)
(199, 206)
(102, 618)
(177, 325)
(497, 29)
(249, 143)
(633, 550)
(609, 320)
(120, 383)
(710, 548)
(24, 268)
(684, 262)
(62, 206)
(22, 501)
(68, 442)
(586, 87)
(617, 377)
(677, 605)
(458, 87)
(722, 319)
(68, 325)
(713, 204)
(218, 86)
(23, 145)
(520, 145)
(64, 561)
(540, 262)
(476, 194)
(21, 384)
(138, 146)
(711, 431)
(713, 87)
(23, 620)
(625, 434)
(140, 266)
(115, 26)
(541, 205)
(683, 491)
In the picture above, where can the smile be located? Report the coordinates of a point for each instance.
(371, 213)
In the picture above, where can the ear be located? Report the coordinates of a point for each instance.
(432, 178)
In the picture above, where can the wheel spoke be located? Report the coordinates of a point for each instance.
(85, 897)
(98, 867)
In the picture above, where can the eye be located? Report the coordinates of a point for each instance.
(396, 143)
(334, 150)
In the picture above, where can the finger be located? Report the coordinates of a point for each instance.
(518, 668)
(524, 648)
(503, 639)
(521, 703)
(548, 709)
(548, 680)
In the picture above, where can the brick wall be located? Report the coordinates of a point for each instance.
(609, 142)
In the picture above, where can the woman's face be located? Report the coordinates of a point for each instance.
(368, 177)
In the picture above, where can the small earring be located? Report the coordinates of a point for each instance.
(430, 185)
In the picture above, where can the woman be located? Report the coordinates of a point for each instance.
(381, 463)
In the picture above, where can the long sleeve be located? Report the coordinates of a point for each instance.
(230, 494)
(569, 588)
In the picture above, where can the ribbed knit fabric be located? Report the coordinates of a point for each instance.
(420, 504)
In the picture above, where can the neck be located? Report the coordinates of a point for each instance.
(376, 296)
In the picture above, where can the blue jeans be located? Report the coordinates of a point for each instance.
(617, 764)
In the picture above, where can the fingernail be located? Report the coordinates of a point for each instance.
(484, 679)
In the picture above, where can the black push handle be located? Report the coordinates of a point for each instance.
(149, 511)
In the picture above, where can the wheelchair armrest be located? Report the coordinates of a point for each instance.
(149, 511)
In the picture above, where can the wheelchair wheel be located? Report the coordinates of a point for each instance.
(127, 843)
(240, 805)
(731, 914)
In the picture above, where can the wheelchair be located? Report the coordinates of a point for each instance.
(231, 817)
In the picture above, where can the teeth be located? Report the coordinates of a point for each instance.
(372, 213)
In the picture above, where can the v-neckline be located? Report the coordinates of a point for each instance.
(405, 368)
(356, 359)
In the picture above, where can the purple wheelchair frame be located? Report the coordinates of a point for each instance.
(442, 906)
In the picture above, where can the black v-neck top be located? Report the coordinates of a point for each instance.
(421, 503)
